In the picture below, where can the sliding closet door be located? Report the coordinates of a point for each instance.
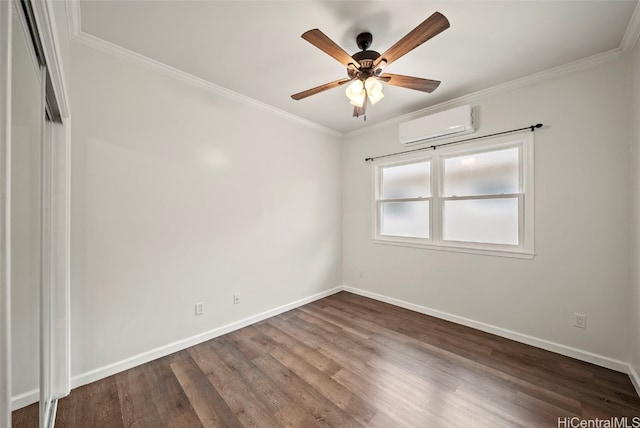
(27, 119)
(38, 215)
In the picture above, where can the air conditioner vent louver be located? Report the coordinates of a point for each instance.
(457, 121)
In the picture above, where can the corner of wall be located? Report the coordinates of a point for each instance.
(634, 73)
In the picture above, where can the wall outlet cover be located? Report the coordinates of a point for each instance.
(581, 320)
(200, 308)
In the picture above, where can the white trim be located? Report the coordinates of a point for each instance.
(561, 70)
(66, 388)
(179, 345)
(558, 348)
(635, 379)
(632, 33)
(45, 250)
(6, 18)
(514, 254)
(25, 399)
(73, 17)
(60, 137)
(47, 29)
(120, 52)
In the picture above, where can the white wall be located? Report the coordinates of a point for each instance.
(581, 221)
(181, 196)
(635, 254)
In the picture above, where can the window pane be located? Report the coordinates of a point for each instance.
(488, 173)
(406, 181)
(493, 221)
(405, 219)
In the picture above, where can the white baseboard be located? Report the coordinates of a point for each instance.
(179, 345)
(30, 397)
(635, 379)
(558, 348)
(24, 399)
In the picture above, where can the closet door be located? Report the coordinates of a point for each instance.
(27, 120)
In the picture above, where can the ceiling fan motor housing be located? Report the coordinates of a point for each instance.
(365, 57)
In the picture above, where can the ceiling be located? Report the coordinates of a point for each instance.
(254, 47)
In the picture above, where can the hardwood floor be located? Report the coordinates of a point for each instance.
(348, 361)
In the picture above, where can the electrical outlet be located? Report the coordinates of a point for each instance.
(581, 320)
(361, 274)
(200, 308)
(236, 298)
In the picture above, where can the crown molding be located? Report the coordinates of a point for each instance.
(633, 31)
(631, 35)
(167, 70)
(561, 70)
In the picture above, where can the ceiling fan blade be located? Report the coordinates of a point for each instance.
(432, 26)
(417, 83)
(320, 40)
(318, 89)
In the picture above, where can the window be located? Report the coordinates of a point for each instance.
(475, 199)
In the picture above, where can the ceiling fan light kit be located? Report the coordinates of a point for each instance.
(374, 89)
(364, 68)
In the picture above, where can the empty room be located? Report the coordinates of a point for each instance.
(319, 213)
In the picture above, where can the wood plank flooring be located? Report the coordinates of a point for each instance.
(349, 361)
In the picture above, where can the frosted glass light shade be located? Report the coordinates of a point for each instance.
(376, 98)
(374, 89)
(358, 100)
(354, 89)
(356, 93)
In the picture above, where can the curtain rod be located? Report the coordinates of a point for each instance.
(532, 128)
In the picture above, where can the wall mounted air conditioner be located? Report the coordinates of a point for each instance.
(449, 123)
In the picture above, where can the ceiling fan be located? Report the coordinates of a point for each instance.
(364, 68)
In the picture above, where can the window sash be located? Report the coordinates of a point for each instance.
(524, 247)
(380, 217)
(440, 160)
(428, 161)
(520, 201)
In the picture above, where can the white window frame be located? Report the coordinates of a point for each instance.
(525, 247)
